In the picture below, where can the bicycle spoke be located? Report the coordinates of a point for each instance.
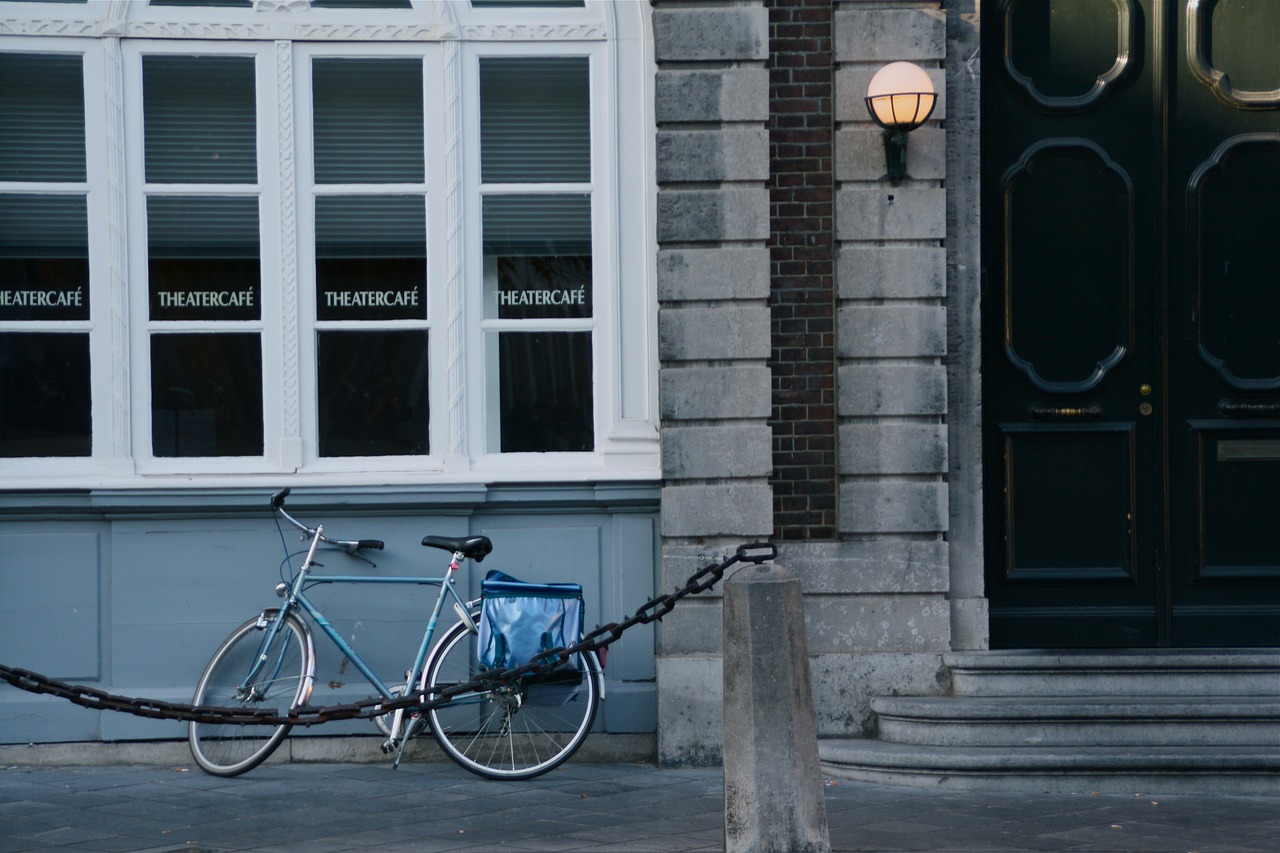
(514, 731)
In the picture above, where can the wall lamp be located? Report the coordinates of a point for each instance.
(900, 99)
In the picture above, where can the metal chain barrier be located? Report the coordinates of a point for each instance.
(375, 706)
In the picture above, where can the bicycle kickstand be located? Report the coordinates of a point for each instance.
(404, 742)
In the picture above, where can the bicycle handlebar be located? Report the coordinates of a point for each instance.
(348, 545)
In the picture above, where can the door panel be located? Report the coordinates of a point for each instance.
(1223, 358)
(1068, 322)
(1131, 361)
(1090, 469)
(1068, 344)
(1067, 58)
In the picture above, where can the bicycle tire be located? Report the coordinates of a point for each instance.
(284, 682)
(511, 732)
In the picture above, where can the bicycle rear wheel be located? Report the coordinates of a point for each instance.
(514, 731)
(282, 682)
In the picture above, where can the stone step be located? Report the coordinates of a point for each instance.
(1150, 672)
(1240, 770)
(1080, 720)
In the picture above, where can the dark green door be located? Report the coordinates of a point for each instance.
(1131, 317)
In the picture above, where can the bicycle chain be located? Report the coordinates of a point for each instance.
(375, 706)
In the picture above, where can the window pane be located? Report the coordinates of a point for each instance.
(203, 258)
(546, 391)
(534, 120)
(199, 119)
(371, 258)
(537, 256)
(361, 4)
(498, 4)
(538, 288)
(373, 393)
(44, 395)
(44, 257)
(206, 395)
(368, 120)
(42, 129)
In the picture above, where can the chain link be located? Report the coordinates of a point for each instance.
(600, 638)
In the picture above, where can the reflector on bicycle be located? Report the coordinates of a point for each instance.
(520, 622)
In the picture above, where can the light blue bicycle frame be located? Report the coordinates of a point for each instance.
(295, 596)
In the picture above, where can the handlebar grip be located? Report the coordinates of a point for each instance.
(277, 500)
(371, 544)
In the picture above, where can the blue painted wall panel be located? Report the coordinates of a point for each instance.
(51, 623)
(49, 601)
(132, 596)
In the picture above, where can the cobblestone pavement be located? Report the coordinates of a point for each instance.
(332, 808)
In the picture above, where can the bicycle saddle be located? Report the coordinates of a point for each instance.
(474, 547)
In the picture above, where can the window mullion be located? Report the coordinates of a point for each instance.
(450, 197)
(107, 168)
(286, 221)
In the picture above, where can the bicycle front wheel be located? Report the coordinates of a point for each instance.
(282, 681)
(514, 731)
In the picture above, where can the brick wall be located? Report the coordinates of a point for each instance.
(802, 268)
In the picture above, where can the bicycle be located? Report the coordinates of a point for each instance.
(515, 730)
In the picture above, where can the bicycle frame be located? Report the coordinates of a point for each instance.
(294, 595)
(517, 729)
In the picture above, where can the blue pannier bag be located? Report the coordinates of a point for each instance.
(520, 622)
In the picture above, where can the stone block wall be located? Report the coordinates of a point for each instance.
(712, 149)
(886, 578)
(825, 421)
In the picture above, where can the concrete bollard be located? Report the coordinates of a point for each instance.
(773, 800)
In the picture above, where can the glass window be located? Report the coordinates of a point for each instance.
(204, 278)
(368, 120)
(534, 120)
(498, 4)
(371, 258)
(200, 119)
(203, 258)
(44, 394)
(44, 257)
(361, 4)
(372, 393)
(546, 395)
(281, 223)
(42, 105)
(239, 4)
(206, 394)
(372, 381)
(537, 256)
(45, 399)
(535, 129)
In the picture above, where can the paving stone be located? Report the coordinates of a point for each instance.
(580, 807)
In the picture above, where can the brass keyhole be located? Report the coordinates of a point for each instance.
(1145, 408)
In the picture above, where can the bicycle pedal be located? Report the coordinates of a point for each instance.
(389, 747)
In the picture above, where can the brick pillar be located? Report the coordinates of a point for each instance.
(802, 268)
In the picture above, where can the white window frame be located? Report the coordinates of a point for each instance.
(100, 291)
(482, 343)
(141, 328)
(308, 326)
(451, 38)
